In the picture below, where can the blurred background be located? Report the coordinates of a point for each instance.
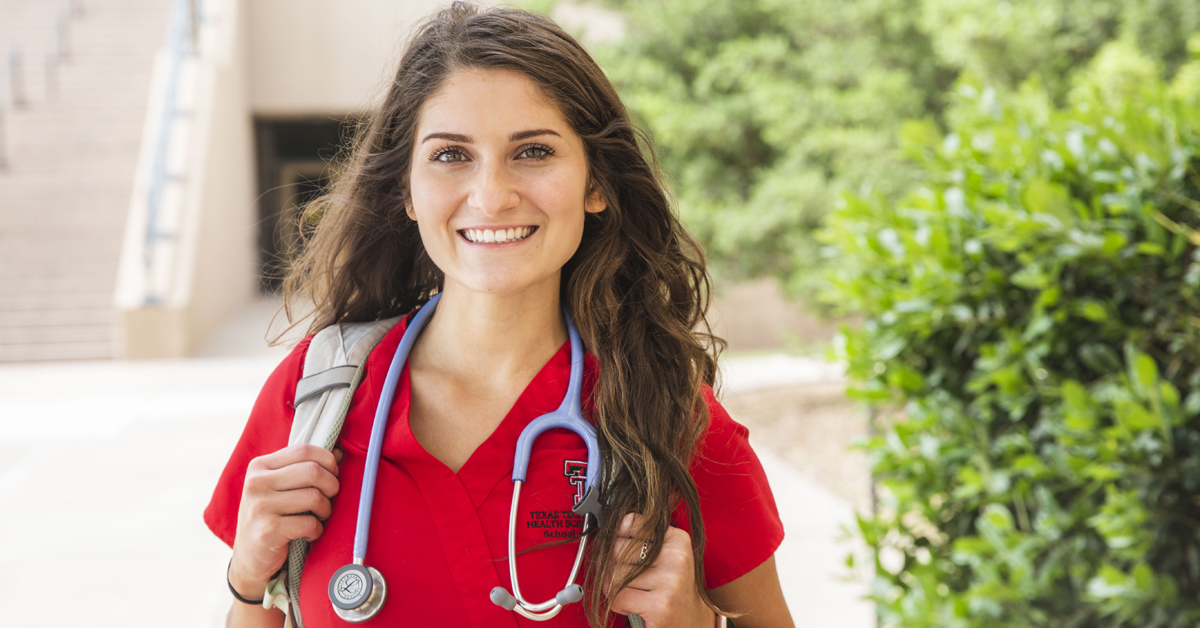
(846, 164)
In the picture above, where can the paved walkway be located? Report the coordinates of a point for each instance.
(105, 468)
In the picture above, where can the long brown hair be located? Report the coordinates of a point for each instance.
(637, 287)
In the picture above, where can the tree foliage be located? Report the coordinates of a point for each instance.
(1035, 303)
(765, 111)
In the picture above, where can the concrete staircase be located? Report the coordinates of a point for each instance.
(71, 150)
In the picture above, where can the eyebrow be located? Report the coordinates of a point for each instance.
(466, 139)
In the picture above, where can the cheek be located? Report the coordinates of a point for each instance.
(561, 195)
(433, 203)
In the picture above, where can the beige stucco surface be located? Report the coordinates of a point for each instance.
(313, 56)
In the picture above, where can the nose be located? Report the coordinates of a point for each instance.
(494, 188)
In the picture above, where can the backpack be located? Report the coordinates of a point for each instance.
(333, 368)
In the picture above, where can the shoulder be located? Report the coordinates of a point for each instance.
(725, 441)
(266, 430)
(742, 526)
(281, 383)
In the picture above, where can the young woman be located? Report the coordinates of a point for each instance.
(503, 173)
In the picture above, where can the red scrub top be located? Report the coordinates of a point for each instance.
(440, 538)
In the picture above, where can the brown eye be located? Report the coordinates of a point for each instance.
(448, 156)
(536, 152)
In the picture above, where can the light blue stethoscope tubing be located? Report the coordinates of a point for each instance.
(569, 415)
(379, 426)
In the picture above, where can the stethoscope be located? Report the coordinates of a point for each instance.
(358, 591)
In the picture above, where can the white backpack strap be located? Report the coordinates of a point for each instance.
(333, 368)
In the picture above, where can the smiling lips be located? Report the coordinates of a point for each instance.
(512, 234)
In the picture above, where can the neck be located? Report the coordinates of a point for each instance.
(492, 339)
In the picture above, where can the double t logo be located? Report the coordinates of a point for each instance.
(576, 472)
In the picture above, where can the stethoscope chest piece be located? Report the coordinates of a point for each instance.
(357, 592)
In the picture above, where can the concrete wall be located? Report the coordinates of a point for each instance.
(316, 56)
(208, 271)
(258, 58)
(225, 276)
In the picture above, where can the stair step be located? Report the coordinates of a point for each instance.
(40, 352)
(56, 318)
(59, 334)
(73, 154)
(80, 299)
(52, 270)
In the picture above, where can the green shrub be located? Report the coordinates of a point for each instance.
(765, 111)
(1035, 307)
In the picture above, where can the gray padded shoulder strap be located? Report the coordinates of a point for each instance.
(333, 359)
(317, 383)
(333, 367)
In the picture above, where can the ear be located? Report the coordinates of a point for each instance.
(408, 204)
(594, 203)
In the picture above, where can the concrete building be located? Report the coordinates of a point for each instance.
(190, 153)
(153, 155)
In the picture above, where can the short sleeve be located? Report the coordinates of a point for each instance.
(742, 528)
(266, 431)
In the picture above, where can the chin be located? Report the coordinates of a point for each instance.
(503, 283)
(496, 287)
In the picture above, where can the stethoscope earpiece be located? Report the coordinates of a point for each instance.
(357, 592)
(502, 598)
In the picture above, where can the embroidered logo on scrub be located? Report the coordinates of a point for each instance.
(576, 473)
(563, 524)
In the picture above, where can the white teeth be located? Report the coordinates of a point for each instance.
(498, 235)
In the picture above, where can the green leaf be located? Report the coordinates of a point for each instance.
(1092, 310)
(1143, 577)
(1169, 395)
(1114, 242)
(1079, 414)
(1031, 277)
(1041, 196)
(1145, 371)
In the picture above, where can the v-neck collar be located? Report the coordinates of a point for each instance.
(493, 458)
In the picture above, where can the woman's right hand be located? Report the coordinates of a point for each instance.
(286, 495)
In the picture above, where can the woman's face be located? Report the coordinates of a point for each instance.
(498, 185)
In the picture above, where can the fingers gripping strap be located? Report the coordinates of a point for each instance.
(359, 350)
(298, 548)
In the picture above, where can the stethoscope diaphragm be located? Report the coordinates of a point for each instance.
(357, 592)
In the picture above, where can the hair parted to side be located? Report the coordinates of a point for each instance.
(637, 287)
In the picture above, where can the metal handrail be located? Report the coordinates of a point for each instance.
(181, 43)
(57, 51)
(3, 144)
(62, 25)
(14, 95)
(16, 77)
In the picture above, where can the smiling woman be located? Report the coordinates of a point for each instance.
(479, 173)
(503, 178)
